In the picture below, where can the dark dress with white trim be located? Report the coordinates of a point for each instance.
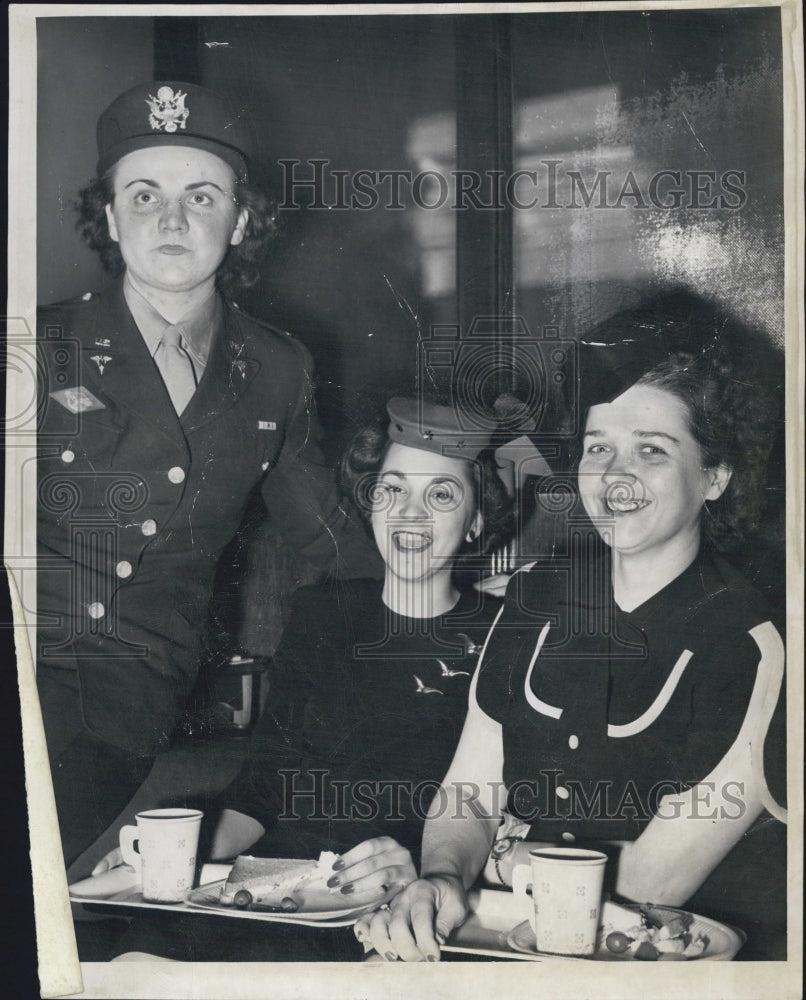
(604, 712)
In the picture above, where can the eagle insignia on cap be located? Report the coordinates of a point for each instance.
(168, 111)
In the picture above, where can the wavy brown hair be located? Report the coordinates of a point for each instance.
(727, 375)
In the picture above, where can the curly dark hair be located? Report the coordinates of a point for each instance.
(729, 418)
(725, 374)
(240, 268)
(362, 462)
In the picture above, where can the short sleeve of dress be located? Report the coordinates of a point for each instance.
(739, 702)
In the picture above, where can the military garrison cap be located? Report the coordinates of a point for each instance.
(167, 113)
(429, 427)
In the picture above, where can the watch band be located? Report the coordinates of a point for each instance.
(501, 879)
(507, 843)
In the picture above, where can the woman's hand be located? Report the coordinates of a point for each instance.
(111, 860)
(374, 869)
(418, 920)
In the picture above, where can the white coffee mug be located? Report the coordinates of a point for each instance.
(162, 849)
(566, 890)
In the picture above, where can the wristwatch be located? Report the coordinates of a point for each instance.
(499, 850)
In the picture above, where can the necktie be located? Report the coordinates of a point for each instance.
(176, 369)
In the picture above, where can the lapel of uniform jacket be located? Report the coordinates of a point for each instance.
(226, 377)
(126, 372)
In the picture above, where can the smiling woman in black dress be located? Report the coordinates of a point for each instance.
(368, 693)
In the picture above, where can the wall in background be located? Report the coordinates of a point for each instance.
(83, 64)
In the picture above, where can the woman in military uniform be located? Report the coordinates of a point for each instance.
(164, 408)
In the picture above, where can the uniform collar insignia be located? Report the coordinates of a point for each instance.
(168, 111)
(102, 360)
(102, 342)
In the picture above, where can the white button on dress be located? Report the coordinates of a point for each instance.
(176, 474)
(68, 456)
(562, 792)
(573, 741)
(123, 569)
(149, 527)
(569, 838)
(96, 610)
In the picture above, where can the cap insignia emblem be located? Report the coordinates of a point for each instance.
(168, 111)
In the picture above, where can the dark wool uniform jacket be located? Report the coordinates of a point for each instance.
(135, 504)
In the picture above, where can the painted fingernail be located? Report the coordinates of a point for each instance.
(390, 956)
(333, 882)
(347, 889)
(440, 938)
(431, 958)
(359, 932)
(289, 905)
(338, 865)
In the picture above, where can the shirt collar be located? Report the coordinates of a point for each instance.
(684, 596)
(698, 583)
(196, 327)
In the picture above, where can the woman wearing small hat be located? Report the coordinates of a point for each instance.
(165, 408)
(369, 688)
(630, 699)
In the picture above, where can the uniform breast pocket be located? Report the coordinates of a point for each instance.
(76, 470)
(91, 443)
(228, 455)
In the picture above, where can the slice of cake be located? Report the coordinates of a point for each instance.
(272, 882)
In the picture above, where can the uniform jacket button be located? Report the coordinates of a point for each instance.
(573, 741)
(176, 474)
(96, 610)
(123, 569)
(569, 838)
(562, 792)
(68, 456)
(149, 527)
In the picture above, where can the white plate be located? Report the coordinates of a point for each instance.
(319, 907)
(722, 942)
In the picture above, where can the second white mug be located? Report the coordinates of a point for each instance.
(566, 888)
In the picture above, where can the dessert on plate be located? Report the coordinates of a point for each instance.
(275, 883)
